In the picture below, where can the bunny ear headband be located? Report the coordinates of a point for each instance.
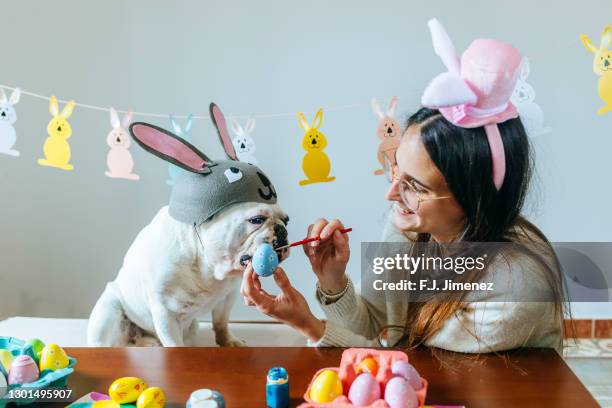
(208, 186)
(476, 89)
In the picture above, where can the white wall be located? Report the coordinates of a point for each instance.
(64, 234)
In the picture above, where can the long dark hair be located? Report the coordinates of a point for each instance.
(464, 158)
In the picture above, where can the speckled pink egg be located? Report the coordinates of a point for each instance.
(364, 390)
(407, 371)
(399, 394)
(23, 370)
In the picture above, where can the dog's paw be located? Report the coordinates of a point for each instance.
(231, 341)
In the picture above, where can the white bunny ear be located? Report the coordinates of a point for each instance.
(189, 123)
(127, 118)
(443, 46)
(525, 68)
(376, 108)
(15, 95)
(3, 98)
(392, 106)
(175, 126)
(447, 89)
(236, 128)
(250, 125)
(114, 118)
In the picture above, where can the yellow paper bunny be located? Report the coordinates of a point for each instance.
(56, 147)
(316, 165)
(602, 66)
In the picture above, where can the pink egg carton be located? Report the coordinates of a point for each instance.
(350, 360)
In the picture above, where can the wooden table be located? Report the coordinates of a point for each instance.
(524, 378)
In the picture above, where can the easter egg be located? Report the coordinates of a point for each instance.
(205, 398)
(364, 390)
(367, 365)
(23, 370)
(53, 357)
(152, 397)
(264, 260)
(5, 359)
(326, 387)
(399, 394)
(37, 346)
(126, 389)
(408, 372)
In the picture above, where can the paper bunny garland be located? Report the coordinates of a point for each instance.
(8, 117)
(388, 131)
(174, 171)
(316, 165)
(523, 97)
(119, 159)
(602, 66)
(56, 148)
(207, 186)
(243, 142)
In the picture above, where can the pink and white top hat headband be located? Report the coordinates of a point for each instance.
(476, 90)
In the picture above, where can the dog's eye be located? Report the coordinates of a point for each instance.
(257, 220)
(233, 174)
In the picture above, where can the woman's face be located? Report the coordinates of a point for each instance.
(442, 218)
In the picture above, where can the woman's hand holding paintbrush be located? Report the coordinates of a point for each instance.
(329, 255)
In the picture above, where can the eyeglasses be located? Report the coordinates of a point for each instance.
(410, 193)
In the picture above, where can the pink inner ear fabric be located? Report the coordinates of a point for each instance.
(223, 133)
(168, 146)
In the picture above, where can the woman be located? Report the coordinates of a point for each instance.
(457, 178)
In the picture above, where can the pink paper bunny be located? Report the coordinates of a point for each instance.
(119, 159)
(388, 132)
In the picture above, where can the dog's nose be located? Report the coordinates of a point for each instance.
(280, 235)
(606, 63)
(59, 128)
(3, 114)
(242, 146)
(389, 130)
(313, 141)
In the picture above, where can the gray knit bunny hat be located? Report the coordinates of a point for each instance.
(207, 186)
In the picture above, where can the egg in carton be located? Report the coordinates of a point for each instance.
(367, 378)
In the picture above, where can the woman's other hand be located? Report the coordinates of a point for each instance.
(289, 307)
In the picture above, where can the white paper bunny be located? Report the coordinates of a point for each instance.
(243, 142)
(185, 133)
(523, 98)
(8, 117)
(119, 159)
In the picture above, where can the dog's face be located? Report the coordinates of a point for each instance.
(231, 237)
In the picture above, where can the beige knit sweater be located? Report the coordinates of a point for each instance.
(494, 324)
